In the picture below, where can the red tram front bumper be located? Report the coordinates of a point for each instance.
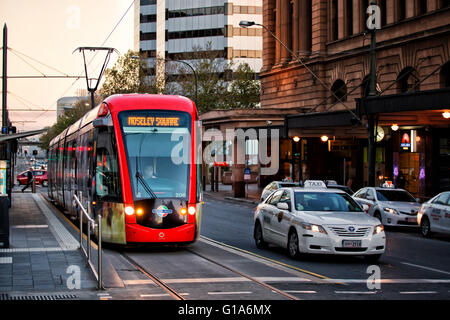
(138, 233)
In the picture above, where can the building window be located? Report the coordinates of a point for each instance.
(349, 16)
(444, 3)
(423, 6)
(383, 13)
(334, 20)
(445, 76)
(401, 10)
(408, 80)
(339, 89)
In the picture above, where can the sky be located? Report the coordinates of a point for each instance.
(42, 34)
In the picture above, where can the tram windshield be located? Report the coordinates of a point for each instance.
(157, 144)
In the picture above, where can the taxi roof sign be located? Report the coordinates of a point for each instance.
(314, 184)
(388, 184)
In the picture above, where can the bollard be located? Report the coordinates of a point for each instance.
(4, 221)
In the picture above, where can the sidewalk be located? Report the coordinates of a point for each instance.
(42, 255)
(253, 193)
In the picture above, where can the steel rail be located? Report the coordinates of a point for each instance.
(154, 278)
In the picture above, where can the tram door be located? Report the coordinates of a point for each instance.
(108, 191)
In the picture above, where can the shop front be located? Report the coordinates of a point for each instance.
(416, 139)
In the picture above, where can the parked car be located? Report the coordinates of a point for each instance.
(434, 215)
(393, 207)
(39, 175)
(317, 220)
(333, 184)
(275, 185)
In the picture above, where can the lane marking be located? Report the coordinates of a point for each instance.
(5, 260)
(137, 282)
(355, 292)
(418, 292)
(30, 226)
(221, 245)
(391, 281)
(229, 292)
(301, 291)
(426, 268)
(158, 295)
(216, 280)
(50, 249)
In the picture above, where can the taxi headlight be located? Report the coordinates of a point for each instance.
(379, 228)
(313, 227)
(391, 210)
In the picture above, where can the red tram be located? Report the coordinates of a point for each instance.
(134, 160)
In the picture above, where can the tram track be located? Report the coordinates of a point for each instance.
(172, 292)
(152, 277)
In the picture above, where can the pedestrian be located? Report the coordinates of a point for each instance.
(401, 181)
(29, 179)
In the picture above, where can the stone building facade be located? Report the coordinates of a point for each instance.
(332, 60)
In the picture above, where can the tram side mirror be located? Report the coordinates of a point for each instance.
(103, 122)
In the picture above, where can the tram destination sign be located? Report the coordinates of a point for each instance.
(140, 121)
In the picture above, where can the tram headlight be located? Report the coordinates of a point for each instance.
(140, 212)
(129, 210)
(183, 211)
(191, 210)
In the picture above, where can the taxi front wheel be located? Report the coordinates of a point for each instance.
(425, 228)
(258, 235)
(293, 249)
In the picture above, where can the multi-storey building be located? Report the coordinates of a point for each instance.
(174, 29)
(322, 91)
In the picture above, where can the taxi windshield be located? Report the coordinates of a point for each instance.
(395, 195)
(325, 201)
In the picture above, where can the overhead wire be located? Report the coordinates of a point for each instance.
(103, 43)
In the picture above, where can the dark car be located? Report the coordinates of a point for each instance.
(40, 177)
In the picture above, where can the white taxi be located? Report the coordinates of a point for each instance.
(319, 220)
(434, 215)
(393, 207)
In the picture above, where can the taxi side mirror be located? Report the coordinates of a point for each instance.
(365, 207)
(283, 206)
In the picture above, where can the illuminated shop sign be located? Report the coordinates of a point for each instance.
(406, 142)
(134, 121)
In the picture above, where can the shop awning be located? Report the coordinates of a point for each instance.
(415, 101)
(322, 119)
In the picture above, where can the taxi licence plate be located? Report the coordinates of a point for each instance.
(351, 243)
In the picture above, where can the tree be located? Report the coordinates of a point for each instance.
(244, 88)
(218, 86)
(128, 75)
(211, 85)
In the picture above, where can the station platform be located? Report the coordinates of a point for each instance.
(43, 255)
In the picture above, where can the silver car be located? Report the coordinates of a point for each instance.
(434, 215)
(275, 185)
(393, 207)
